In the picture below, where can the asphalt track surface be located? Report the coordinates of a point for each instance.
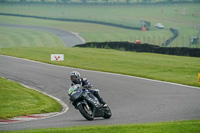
(131, 99)
(69, 39)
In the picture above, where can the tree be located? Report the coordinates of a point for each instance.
(65, 1)
(22, 1)
(84, 1)
(127, 1)
(42, 1)
(149, 1)
(168, 0)
(106, 1)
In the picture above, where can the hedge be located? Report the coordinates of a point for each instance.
(127, 46)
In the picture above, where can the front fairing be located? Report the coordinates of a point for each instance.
(75, 93)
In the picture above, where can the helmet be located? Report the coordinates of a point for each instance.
(75, 77)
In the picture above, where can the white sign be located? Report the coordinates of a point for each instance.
(57, 57)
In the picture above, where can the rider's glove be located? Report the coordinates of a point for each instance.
(87, 86)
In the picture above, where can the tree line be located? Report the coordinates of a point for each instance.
(97, 1)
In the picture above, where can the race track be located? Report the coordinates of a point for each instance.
(69, 39)
(131, 99)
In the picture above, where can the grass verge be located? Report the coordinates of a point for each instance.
(16, 100)
(177, 69)
(14, 37)
(191, 126)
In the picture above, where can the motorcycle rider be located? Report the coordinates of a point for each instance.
(84, 82)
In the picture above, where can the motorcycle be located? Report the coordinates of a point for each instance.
(87, 104)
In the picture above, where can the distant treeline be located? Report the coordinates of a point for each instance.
(100, 1)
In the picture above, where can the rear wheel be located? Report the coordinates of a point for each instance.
(86, 111)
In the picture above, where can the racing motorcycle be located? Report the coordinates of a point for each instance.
(87, 104)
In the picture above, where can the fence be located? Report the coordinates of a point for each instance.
(100, 2)
(180, 41)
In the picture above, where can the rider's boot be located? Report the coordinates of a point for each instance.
(100, 99)
(104, 103)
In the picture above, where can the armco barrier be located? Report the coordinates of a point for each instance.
(74, 20)
(127, 46)
(175, 35)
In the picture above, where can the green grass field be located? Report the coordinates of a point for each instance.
(90, 32)
(126, 15)
(16, 100)
(163, 127)
(177, 69)
(15, 37)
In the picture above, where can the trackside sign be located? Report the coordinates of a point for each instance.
(57, 57)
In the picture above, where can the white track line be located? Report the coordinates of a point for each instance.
(77, 34)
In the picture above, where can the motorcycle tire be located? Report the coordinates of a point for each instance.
(84, 112)
(107, 113)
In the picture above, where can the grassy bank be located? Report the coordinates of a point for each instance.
(91, 32)
(14, 37)
(126, 15)
(164, 127)
(169, 16)
(177, 69)
(16, 100)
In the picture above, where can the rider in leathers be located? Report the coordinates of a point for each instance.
(76, 79)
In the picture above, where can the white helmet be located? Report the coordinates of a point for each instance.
(75, 77)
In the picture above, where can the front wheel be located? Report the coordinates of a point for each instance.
(107, 113)
(86, 111)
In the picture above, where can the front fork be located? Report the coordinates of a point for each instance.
(87, 106)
